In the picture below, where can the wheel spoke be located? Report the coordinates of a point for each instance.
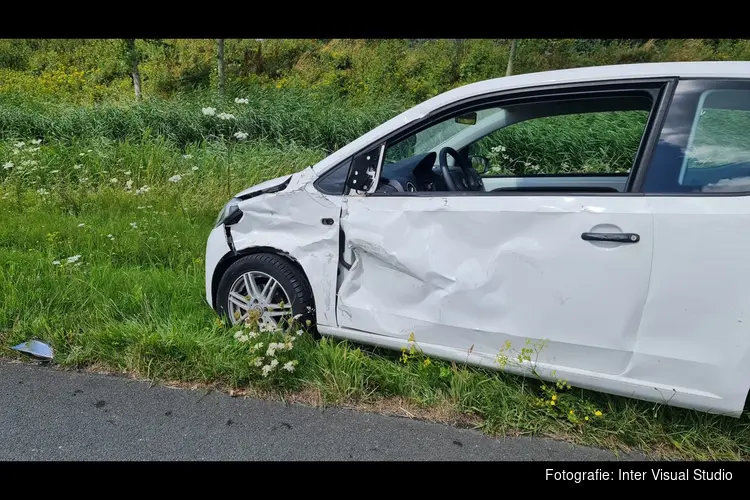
(239, 300)
(251, 287)
(268, 290)
(279, 311)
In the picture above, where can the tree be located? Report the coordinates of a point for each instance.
(220, 60)
(132, 56)
(513, 44)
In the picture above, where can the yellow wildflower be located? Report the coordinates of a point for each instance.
(598, 413)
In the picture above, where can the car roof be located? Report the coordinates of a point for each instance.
(701, 69)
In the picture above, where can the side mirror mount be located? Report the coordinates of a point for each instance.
(364, 172)
(480, 163)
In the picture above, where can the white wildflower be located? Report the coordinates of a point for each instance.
(19, 145)
(42, 191)
(89, 150)
(73, 259)
(225, 116)
(194, 169)
(142, 190)
(209, 111)
(271, 350)
(258, 362)
(175, 178)
(55, 262)
(258, 346)
(77, 166)
(8, 165)
(29, 163)
(81, 224)
(241, 100)
(82, 154)
(33, 150)
(83, 179)
(267, 327)
(128, 172)
(187, 157)
(36, 141)
(241, 135)
(274, 363)
(289, 366)
(238, 335)
(114, 180)
(299, 332)
(133, 225)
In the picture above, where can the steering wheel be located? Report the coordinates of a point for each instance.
(470, 180)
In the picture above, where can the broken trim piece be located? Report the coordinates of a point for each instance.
(274, 189)
(230, 240)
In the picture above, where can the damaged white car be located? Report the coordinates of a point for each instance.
(638, 280)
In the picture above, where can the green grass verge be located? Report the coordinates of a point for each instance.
(134, 300)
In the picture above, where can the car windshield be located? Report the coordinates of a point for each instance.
(427, 139)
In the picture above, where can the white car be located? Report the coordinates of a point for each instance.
(638, 281)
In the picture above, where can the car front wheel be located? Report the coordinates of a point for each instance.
(265, 288)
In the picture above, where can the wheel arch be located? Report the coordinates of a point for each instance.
(231, 257)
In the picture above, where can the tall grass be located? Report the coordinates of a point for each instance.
(285, 116)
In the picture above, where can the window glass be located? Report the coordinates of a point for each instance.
(579, 143)
(704, 146)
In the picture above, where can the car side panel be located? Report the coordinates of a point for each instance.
(696, 323)
(303, 224)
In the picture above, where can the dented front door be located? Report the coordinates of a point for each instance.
(472, 272)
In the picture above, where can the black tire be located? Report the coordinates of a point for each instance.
(291, 279)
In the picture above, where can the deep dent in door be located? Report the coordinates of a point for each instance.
(405, 274)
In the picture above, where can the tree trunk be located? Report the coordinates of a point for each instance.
(512, 55)
(220, 60)
(134, 71)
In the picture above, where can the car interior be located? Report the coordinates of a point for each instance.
(449, 165)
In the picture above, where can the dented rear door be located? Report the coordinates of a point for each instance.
(472, 272)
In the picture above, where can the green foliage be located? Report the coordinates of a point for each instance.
(407, 69)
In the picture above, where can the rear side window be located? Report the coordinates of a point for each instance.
(704, 146)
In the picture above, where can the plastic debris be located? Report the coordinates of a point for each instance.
(34, 348)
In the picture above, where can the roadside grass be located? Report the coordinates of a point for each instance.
(134, 302)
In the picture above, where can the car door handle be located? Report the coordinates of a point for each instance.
(613, 237)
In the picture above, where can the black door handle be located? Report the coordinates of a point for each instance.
(613, 237)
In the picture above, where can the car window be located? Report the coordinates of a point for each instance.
(704, 146)
(581, 143)
(718, 156)
(427, 139)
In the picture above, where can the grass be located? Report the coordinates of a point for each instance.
(133, 302)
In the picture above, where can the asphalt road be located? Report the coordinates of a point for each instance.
(49, 414)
